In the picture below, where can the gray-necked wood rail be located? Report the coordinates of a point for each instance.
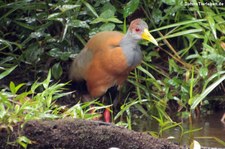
(108, 57)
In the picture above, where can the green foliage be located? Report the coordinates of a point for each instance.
(23, 141)
(35, 104)
(38, 103)
(198, 98)
(6, 72)
(38, 36)
(164, 125)
(195, 56)
(29, 105)
(130, 8)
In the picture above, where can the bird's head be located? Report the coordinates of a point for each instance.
(139, 30)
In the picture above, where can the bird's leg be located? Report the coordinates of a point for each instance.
(117, 101)
(111, 98)
(107, 115)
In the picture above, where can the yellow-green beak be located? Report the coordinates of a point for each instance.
(147, 36)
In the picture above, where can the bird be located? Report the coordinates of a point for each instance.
(108, 58)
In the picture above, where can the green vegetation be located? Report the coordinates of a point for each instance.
(38, 39)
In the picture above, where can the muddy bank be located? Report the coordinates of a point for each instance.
(82, 134)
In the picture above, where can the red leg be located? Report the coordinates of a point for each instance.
(107, 116)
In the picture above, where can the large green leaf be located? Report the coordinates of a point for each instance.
(57, 71)
(169, 2)
(57, 53)
(78, 23)
(107, 14)
(90, 8)
(130, 8)
(64, 8)
(107, 27)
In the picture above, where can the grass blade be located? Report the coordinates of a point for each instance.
(206, 92)
(6, 72)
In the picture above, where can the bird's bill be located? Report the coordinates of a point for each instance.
(147, 36)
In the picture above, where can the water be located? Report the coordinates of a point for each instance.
(211, 127)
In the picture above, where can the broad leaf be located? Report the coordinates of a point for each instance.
(130, 8)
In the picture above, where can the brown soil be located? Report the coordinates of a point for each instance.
(82, 134)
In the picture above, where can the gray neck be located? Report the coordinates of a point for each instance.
(131, 50)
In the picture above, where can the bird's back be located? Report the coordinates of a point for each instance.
(96, 48)
(104, 40)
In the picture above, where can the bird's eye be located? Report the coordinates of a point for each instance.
(137, 30)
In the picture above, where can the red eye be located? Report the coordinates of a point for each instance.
(137, 30)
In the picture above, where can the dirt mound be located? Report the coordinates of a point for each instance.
(83, 134)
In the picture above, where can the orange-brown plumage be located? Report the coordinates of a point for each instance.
(108, 57)
(106, 67)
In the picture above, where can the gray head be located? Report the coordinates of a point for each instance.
(138, 30)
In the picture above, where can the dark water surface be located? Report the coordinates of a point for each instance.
(211, 127)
